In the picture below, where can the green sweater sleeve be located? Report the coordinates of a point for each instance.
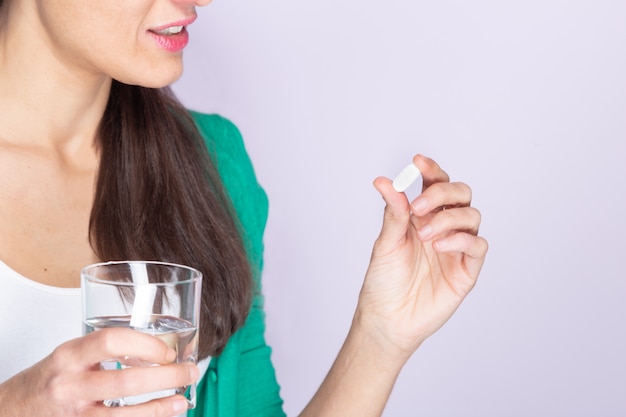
(241, 381)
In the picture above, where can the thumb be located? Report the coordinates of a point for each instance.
(397, 211)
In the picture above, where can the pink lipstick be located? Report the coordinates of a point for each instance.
(172, 37)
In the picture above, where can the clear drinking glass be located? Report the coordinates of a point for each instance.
(157, 298)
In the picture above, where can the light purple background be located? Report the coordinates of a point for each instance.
(525, 101)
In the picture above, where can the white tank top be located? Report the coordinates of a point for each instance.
(35, 319)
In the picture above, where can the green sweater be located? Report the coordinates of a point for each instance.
(241, 381)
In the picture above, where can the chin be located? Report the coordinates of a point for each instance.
(151, 78)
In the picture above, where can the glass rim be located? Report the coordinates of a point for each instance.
(196, 275)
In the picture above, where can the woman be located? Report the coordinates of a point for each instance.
(98, 161)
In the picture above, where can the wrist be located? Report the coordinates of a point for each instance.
(380, 334)
(10, 398)
(371, 336)
(361, 378)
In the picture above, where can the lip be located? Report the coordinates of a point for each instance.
(183, 22)
(172, 43)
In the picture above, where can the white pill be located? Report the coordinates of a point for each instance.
(144, 296)
(406, 177)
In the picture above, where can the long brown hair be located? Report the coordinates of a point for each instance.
(159, 197)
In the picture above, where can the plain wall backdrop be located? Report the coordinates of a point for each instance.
(523, 100)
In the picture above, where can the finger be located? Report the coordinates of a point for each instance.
(474, 249)
(397, 210)
(463, 219)
(113, 343)
(138, 380)
(431, 171)
(163, 407)
(442, 194)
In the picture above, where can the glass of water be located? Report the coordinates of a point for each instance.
(157, 298)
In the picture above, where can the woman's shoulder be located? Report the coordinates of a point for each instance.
(212, 123)
(219, 133)
(226, 146)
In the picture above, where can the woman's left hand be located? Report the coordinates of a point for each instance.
(425, 261)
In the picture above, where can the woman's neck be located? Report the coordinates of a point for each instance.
(45, 102)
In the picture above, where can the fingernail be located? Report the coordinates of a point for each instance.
(425, 231)
(440, 245)
(179, 406)
(419, 205)
(194, 372)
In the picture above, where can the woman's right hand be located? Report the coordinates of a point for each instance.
(69, 381)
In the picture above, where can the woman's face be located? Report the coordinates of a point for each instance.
(134, 41)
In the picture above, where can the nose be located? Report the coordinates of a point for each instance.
(201, 3)
(198, 3)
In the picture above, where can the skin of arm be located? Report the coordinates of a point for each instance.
(425, 261)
